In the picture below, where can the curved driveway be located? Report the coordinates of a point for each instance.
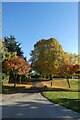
(33, 105)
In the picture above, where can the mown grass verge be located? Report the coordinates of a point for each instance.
(69, 100)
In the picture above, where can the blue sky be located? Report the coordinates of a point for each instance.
(30, 22)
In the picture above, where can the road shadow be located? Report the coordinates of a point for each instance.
(37, 109)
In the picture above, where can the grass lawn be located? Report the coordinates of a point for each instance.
(56, 94)
(59, 84)
(62, 83)
(67, 99)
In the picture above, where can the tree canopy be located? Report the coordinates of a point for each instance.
(47, 56)
(17, 65)
(12, 46)
(13, 61)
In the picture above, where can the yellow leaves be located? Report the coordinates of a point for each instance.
(48, 57)
(48, 54)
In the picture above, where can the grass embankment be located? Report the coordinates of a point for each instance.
(62, 83)
(67, 99)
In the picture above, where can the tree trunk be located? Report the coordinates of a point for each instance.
(15, 80)
(10, 77)
(68, 82)
(51, 79)
(20, 79)
(51, 83)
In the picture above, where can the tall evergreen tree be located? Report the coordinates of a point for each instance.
(12, 46)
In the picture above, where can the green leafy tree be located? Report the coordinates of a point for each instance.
(12, 46)
(47, 56)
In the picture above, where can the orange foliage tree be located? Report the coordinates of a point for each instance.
(65, 69)
(68, 69)
(76, 69)
(16, 65)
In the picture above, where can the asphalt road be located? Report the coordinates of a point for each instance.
(33, 105)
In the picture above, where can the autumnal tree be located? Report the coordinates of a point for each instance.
(4, 54)
(10, 48)
(76, 69)
(66, 70)
(47, 56)
(16, 65)
(74, 58)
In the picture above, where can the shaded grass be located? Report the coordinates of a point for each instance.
(9, 88)
(69, 100)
